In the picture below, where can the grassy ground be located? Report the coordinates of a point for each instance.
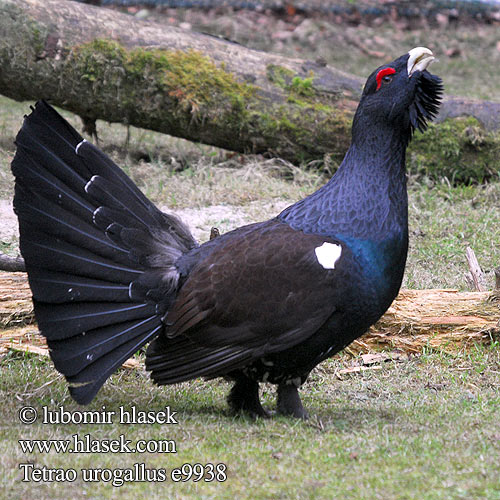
(424, 428)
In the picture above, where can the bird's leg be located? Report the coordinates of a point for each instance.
(244, 397)
(289, 402)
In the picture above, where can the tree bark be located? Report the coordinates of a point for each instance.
(445, 319)
(13, 264)
(103, 64)
(16, 307)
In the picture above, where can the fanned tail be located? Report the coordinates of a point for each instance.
(99, 255)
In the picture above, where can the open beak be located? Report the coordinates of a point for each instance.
(420, 58)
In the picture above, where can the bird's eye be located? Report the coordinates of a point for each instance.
(387, 79)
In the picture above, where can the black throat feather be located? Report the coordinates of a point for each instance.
(428, 97)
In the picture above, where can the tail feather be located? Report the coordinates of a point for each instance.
(100, 164)
(60, 223)
(50, 187)
(78, 351)
(113, 196)
(84, 386)
(100, 256)
(103, 217)
(52, 126)
(60, 321)
(47, 252)
(57, 161)
(57, 288)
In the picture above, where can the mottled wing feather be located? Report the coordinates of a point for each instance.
(261, 287)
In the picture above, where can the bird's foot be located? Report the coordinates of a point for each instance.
(289, 402)
(244, 399)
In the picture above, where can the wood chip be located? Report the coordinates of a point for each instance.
(357, 369)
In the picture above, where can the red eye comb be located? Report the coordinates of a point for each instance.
(382, 73)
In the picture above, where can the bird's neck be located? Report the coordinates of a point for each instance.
(367, 197)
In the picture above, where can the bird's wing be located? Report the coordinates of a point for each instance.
(263, 288)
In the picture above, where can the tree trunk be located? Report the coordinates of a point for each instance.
(103, 64)
(444, 319)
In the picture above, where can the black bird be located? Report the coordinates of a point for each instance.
(110, 272)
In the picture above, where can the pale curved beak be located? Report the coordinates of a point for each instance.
(419, 60)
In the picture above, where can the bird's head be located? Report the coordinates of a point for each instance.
(402, 94)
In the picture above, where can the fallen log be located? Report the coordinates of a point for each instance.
(16, 307)
(444, 319)
(102, 64)
(14, 264)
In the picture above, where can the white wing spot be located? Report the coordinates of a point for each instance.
(79, 144)
(328, 254)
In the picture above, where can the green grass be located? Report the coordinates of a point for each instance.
(444, 220)
(425, 428)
